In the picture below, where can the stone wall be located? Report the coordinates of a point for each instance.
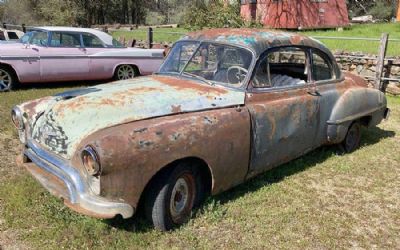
(365, 66)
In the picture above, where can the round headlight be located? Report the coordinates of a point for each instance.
(16, 116)
(91, 161)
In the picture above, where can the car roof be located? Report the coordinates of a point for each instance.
(258, 40)
(106, 38)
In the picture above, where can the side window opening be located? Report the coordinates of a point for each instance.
(12, 35)
(321, 68)
(282, 68)
(61, 39)
(91, 41)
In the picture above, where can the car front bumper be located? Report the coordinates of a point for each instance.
(64, 181)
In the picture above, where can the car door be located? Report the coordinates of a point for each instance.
(283, 107)
(100, 67)
(64, 58)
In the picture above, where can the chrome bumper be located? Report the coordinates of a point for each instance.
(62, 180)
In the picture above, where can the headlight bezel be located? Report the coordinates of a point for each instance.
(17, 118)
(91, 161)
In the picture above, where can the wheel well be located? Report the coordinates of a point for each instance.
(4, 65)
(135, 67)
(365, 120)
(205, 174)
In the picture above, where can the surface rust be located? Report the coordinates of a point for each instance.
(133, 153)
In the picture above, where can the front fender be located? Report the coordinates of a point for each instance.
(131, 154)
(354, 104)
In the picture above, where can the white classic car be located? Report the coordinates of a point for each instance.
(10, 35)
(51, 54)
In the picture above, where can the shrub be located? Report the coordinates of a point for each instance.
(213, 15)
(382, 10)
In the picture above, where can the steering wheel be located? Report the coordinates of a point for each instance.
(236, 74)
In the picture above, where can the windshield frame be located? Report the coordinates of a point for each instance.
(246, 81)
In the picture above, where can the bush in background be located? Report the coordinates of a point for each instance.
(382, 10)
(213, 15)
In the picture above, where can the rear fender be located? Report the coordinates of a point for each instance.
(354, 104)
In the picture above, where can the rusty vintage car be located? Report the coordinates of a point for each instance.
(225, 106)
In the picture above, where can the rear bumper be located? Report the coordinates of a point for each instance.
(64, 181)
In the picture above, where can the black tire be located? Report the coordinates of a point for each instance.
(172, 196)
(125, 71)
(353, 138)
(8, 79)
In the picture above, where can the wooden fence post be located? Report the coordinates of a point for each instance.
(381, 61)
(4, 26)
(150, 38)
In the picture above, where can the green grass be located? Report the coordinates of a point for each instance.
(367, 30)
(161, 35)
(321, 200)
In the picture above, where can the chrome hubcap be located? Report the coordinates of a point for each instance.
(126, 72)
(5, 80)
(182, 198)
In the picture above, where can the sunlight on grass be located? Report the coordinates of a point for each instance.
(321, 200)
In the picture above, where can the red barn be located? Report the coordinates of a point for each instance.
(296, 14)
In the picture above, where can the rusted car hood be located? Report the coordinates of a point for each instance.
(71, 116)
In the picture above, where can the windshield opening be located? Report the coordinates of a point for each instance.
(212, 62)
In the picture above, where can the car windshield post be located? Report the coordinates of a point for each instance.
(190, 59)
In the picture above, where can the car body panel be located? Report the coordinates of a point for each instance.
(188, 135)
(75, 116)
(280, 121)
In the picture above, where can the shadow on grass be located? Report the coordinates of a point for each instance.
(370, 137)
(56, 85)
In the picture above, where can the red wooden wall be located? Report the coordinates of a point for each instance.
(297, 14)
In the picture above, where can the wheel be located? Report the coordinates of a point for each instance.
(124, 72)
(8, 79)
(236, 74)
(172, 196)
(353, 137)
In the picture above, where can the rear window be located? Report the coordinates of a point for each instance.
(91, 41)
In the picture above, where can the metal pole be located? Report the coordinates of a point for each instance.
(23, 28)
(150, 38)
(381, 61)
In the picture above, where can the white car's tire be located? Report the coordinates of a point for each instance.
(125, 71)
(8, 79)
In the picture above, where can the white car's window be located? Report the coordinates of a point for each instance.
(322, 69)
(26, 37)
(39, 38)
(2, 36)
(63, 39)
(91, 41)
(282, 68)
(12, 35)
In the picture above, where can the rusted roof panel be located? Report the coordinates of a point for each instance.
(256, 39)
